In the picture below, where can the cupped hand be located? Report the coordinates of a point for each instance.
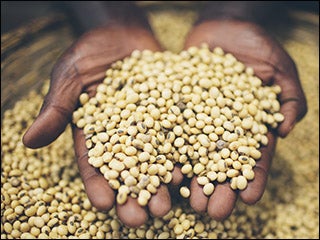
(80, 69)
(253, 46)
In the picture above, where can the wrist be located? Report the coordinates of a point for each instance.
(258, 12)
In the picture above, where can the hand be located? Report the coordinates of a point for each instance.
(251, 45)
(80, 69)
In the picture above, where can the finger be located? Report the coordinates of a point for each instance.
(57, 108)
(198, 200)
(221, 203)
(131, 213)
(293, 110)
(100, 194)
(292, 99)
(178, 179)
(177, 176)
(160, 203)
(256, 187)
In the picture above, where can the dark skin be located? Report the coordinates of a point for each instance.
(253, 46)
(82, 67)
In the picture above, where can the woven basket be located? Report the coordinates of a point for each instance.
(28, 54)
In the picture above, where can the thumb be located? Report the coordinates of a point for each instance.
(293, 103)
(57, 108)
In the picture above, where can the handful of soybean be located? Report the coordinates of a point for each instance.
(200, 109)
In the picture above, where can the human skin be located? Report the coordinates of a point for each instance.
(253, 46)
(82, 67)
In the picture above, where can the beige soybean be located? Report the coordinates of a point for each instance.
(202, 180)
(184, 192)
(241, 182)
(193, 62)
(208, 189)
(248, 174)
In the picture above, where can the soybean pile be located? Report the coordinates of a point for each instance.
(201, 109)
(42, 196)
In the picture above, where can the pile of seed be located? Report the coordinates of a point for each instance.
(42, 196)
(289, 207)
(201, 109)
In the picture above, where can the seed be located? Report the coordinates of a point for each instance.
(153, 169)
(167, 178)
(256, 154)
(247, 123)
(129, 162)
(212, 176)
(155, 181)
(90, 216)
(75, 208)
(222, 166)
(202, 180)
(130, 151)
(178, 130)
(248, 174)
(141, 127)
(219, 130)
(199, 227)
(151, 188)
(178, 229)
(186, 168)
(198, 168)
(243, 159)
(200, 124)
(39, 222)
(31, 211)
(130, 181)
(179, 142)
(116, 165)
(164, 235)
(278, 117)
(142, 201)
(103, 137)
(145, 194)
(232, 173)
(62, 230)
(18, 209)
(221, 177)
(132, 97)
(204, 140)
(237, 106)
(111, 174)
(52, 222)
(208, 189)
(114, 184)
(96, 162)
(144, 156)
(148, 148)
(241, 182)
(7, 227)
(225, 152)
(149, 122)
(167, 147)
(27, 236)
(203, 152)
